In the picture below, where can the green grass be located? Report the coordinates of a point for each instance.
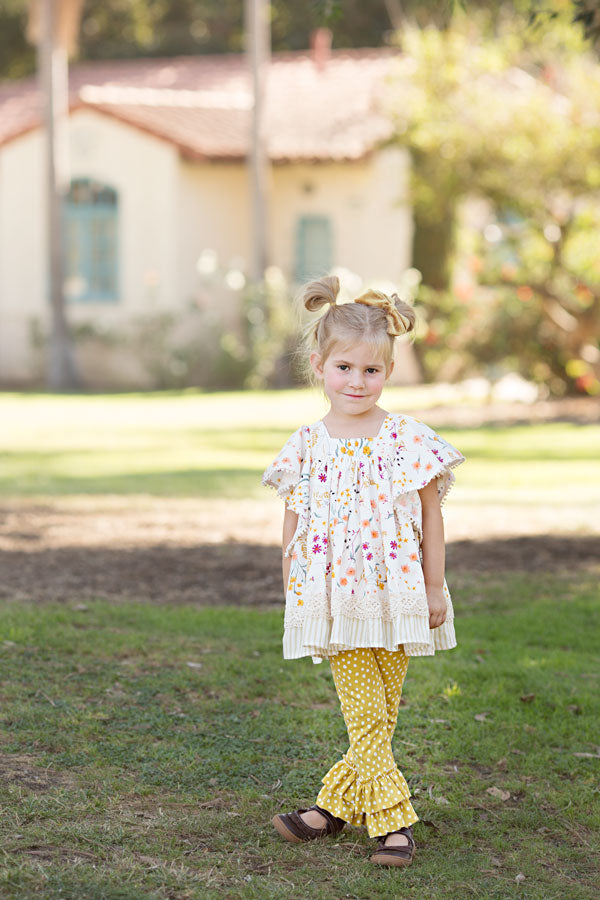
(127, 774)
(143, 777)
(217, 445)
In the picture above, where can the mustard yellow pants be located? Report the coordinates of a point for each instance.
(365, 787)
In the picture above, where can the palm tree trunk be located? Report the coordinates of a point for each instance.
(61, 368)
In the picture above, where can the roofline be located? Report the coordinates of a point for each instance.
(185, 151)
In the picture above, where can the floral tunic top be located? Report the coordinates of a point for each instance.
(356, 578)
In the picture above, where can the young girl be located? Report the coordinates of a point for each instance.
(363, 560)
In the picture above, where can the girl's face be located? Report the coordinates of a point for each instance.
(353, 378)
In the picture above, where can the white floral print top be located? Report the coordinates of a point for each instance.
(356, 578)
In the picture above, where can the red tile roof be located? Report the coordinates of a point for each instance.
(202, 104)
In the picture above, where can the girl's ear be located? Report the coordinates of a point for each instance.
(390, 370)
(315, 362)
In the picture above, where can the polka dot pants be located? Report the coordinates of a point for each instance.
(365, 787)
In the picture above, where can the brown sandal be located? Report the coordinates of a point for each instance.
(395, 856)
(293, 828)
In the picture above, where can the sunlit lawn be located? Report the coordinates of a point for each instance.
(216, 445)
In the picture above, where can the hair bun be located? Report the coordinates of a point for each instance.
(405, 312)
(324, 290)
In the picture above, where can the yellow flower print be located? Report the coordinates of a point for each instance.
(300, 602)
(367, 450)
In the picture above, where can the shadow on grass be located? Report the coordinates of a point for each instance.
(244, 574)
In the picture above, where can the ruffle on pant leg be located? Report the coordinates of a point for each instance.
(380, 803)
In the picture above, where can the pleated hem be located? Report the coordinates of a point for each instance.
(382, 803)
(322, 638)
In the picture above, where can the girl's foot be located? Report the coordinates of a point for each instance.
(307, 824)
(395, 849)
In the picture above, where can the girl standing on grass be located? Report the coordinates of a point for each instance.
(363, 560)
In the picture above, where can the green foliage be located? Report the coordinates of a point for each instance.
(514, 123)
(128, 28)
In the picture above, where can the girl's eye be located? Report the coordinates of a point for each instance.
(343, 367)
(372, 371)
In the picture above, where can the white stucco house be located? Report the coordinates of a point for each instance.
(158, 175)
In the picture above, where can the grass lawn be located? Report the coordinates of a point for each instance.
(144, 750)
(183, 444)
(145, 747)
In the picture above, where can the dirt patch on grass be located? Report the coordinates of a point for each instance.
(23, 771)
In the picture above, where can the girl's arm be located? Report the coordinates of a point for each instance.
(290, 521)
(434, 553)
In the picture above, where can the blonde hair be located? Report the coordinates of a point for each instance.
(373, 318)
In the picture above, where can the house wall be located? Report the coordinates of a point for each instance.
(367, 203)
(144, 172)
(170, 211)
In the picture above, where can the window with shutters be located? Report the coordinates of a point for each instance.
(91, 215)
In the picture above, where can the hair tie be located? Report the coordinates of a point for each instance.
(397, 324)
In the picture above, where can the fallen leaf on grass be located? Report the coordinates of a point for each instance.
(193, 665)
(496, 862)
(497, 792)
(588, 755)
(527, 698)
(501, 764)
(481, 717)
(519, 878)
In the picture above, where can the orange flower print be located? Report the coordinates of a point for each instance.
(339, 561)
(345, 518)
(351, 571)
(373, 505)
(414, 556)
(405, 568)
(416, 465)
(365, 523)
(285, 459)
(300, 602)
(374, 534)
(343, 581)
(381, 497)
(418, 439)
(428, 467)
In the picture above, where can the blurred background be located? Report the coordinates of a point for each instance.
(164, 192)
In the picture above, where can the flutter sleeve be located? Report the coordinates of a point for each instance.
(421, 455)
(289, 475)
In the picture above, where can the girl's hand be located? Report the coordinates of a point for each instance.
(437, 606)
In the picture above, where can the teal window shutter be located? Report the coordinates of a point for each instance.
(314, 247)
(91, 241)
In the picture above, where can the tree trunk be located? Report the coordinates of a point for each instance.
(61, 368)
(258, 49)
